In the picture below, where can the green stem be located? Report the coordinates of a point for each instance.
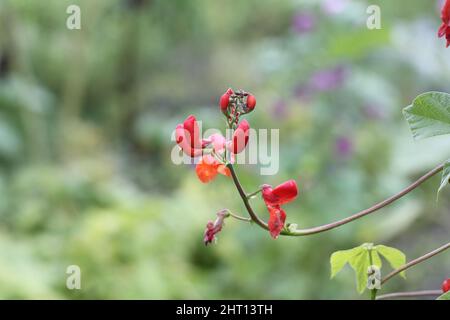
(251, 195)
(373, 292)
(239, 217)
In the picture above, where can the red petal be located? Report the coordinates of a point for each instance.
(286, 192)
(180, 137)
(442, 29)
(192, 132)
(187, 137)
(268, 196)
(206, 169)
(179, 133)
(240, 137)
(445, 12)
(276, 220)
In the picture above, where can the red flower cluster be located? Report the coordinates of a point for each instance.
(444, 29)
(188, 138)
(274, 199)
(217, 152)
(446, 286)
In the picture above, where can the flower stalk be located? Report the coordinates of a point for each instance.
(332, 225)
(253, 194)
(416, 261)
(410, 294)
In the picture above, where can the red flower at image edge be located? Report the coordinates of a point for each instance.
(444, 29)
(274, 199)
(446, 286)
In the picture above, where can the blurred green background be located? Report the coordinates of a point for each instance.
(86, 118)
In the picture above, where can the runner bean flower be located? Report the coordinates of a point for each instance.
(444, 29)
(274, 199)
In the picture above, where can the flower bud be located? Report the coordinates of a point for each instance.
(213, 228)
(446, 286)
(223, 102)
(251, 102)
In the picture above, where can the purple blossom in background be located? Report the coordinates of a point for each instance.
(323, 80)
(302, 92)
(303, 22)
(373, 112)
(279, 109)
(343, 147)
(328, 79)
(333, 7)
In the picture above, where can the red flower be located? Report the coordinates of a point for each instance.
(444, 29)
(240, 137)
(213, 228)
(208, 168)
(274, 199)
(284, 193)
(446, 286)
(188, 137)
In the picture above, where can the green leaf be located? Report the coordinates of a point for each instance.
(395, 257)
(445, 296)
(360, 263)
(339, 258)
(445, 180)
(429, 115)
(361, 257)
(376, 259)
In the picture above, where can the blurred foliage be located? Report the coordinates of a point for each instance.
(86, 118)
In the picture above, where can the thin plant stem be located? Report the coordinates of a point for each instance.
(243, 195)
(251, 195)
(416, 261)
(422, 293)
(329, 226)
(373, 292)
(239, 217)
